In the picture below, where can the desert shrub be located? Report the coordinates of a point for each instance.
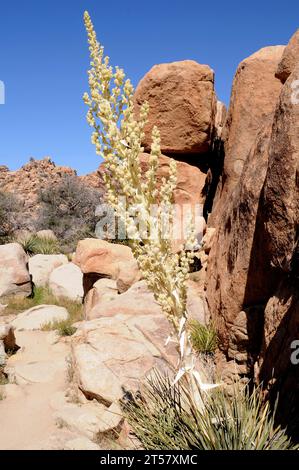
(33, 245)
(68, 208)
(162, 420)
(10, 215)
(203, 337)
(28, 243)
(47, 246)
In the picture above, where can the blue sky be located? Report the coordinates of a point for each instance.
(44, 59)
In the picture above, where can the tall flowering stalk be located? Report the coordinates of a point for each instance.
(117, 136)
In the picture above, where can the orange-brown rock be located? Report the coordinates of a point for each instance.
(31, 178)
(101, 257)
(128, 274)
(280, 353)
(281, 328)
(190, 180)
(188, 194)
(182, 105)
(254, 94)
(279, 357)
(95, 179)
(289, 58)
(28, 182)
(236, 276)
(253, 266)
(281, 192)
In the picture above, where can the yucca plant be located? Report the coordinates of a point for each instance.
(47, 246)
(28, 242)
(163, 418)
(33, 245)
(203, 337)
(117, 135)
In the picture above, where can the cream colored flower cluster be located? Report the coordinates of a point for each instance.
(117, 135)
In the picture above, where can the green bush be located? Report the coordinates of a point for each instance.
(203, 338)
(34, 245)
(47, 246)
(162, 418)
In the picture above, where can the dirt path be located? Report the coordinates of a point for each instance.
(39, 373)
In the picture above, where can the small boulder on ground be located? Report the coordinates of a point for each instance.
(14, 273)
(128, 274)
(41, 266)
(67, 281)
(118, 352)
(84, 419)
(37, 317)
(101, 257)
(103, 290)
(137, 300)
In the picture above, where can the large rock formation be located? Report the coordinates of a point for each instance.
(182, 105)
(190, 179)
(252, 277)
(281, 218)
(28, 181)
(289, 59)
(189, 195)
(254, 94)
(231, 256)
(281, 192)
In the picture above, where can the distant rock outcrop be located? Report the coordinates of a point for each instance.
(31, 178)
(37, 176)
